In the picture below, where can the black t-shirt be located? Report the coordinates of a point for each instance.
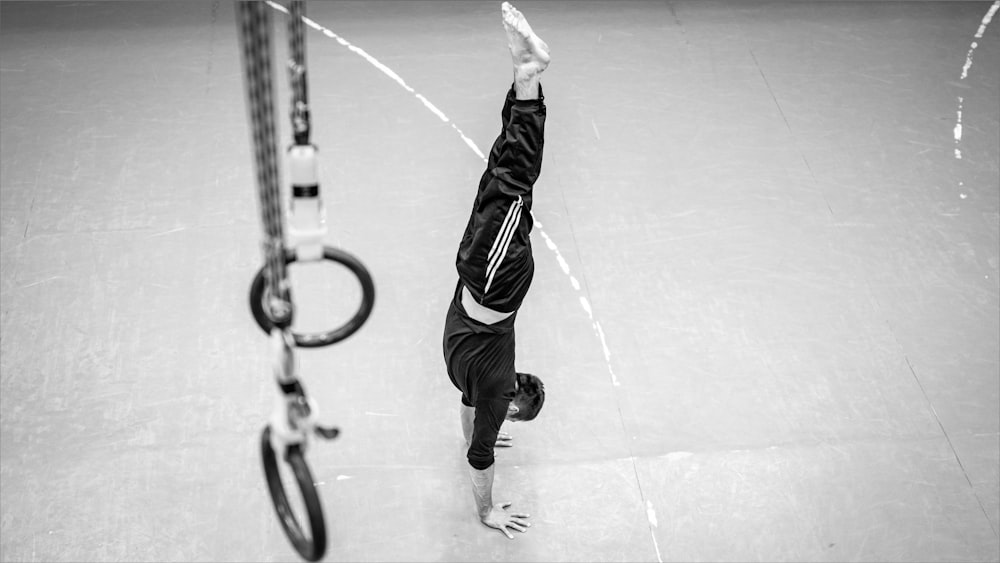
(480, 360)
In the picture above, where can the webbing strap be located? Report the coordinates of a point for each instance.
(255, 40)
(297, 73)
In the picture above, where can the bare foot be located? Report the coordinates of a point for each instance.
(529, 53)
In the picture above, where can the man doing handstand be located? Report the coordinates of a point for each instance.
(495, 268)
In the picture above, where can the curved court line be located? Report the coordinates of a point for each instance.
(965, 72)
(584, 302)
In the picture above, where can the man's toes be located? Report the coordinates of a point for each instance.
(507, 11)
(522, 24)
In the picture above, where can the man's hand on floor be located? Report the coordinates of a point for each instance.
(504, 440)
(500, 519)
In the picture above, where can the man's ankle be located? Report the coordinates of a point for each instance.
(526, 88)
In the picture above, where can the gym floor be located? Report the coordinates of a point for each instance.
(766, 306)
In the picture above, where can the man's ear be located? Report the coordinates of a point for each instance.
(512, 409)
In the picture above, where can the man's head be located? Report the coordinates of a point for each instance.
(528, 398)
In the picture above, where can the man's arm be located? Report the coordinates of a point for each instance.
(482, 490)
(494, 516)
(468, 416)
(482, 480)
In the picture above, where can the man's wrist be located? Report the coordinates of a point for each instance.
(482, 490)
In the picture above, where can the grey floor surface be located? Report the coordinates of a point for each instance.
(766, 306)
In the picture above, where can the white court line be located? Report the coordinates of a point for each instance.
(651, 516)
(472, 145)
(965, 72)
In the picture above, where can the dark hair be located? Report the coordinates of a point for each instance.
(529, 397)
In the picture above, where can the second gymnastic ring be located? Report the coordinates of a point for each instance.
(319, 339)
(311, 549)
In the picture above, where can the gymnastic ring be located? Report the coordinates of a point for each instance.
(310, 550)
(319, 339)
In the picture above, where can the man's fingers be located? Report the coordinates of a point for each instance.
(520, 521)
(517, 527)
(519, 515)
(502, 528)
